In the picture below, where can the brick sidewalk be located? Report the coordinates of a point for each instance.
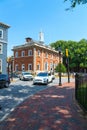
(51, 109)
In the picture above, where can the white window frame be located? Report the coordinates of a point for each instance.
(51, 66)
(46, 66)
(0, 65)
(38, 66)
(23, 67)
(29, 66)
(30, 53)
(16, 54)
(16, 67)
(1, 34)
(46, 55)
(1, 48)
(38, 52)
(51, 56)
(23, 53)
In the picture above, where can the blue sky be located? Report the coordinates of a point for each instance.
(28, 17)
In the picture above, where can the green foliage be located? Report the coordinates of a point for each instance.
(77, 52)
(60, 68)
(76, 2)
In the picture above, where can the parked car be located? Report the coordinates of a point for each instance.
(4, 80)
(43, 78)
(26, 76)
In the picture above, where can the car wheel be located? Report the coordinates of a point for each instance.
(7, 84)
(46, 83)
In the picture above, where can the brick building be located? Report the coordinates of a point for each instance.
(34, 56)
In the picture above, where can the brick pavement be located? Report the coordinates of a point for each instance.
(51, 109)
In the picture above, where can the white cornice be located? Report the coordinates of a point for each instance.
(4, 25)
(34, 43)
(3, 41)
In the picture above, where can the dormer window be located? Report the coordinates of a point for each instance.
(1, 33)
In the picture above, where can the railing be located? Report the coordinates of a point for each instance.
(81, 90)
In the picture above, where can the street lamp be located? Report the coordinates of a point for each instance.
(59, 49)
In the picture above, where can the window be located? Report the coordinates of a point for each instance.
(23, 67)
(46, 66)
(29, 66)
(29, 52)
(46, 55)
(0, 65)
(51, 56)
(38, 67)
(1, 33)
(23, 53)
(0, 48)
(16, 67)
(38, 52)
(16, 54)
(51, 66)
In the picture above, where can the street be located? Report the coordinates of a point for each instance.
(18, 91)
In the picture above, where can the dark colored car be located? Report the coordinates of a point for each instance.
(4, 80)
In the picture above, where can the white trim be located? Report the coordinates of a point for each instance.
(34, 60)
(29, 66)
(22, 53)
(30, 53)
(23, 67)
(1, 52)
(1, 64)
(16, 67)
(3, 41)
(1, 34)
(16, 54)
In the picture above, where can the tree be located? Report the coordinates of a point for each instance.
(76, 2)
(77, 53)
(60, 68)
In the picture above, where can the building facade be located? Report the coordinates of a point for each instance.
(3, 47)
(34, 56)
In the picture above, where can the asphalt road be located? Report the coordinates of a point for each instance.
(18, 91)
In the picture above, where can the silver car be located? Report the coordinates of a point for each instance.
(26, 76)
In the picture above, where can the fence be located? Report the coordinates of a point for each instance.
(81, 89)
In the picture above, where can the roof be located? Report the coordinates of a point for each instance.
(34, 43)
(4, 25)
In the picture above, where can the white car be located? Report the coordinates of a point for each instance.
(42, 78)
(25, 76)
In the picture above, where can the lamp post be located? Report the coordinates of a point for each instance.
(59, 49)
(67, 58)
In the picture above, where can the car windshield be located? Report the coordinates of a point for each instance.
(26, 73)
(3, 76)
(42, 74)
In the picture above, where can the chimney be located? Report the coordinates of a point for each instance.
(28, 39)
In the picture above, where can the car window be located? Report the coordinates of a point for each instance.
(26, 73)
(49, 74)
(42, 74)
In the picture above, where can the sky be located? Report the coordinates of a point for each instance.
(28, 17)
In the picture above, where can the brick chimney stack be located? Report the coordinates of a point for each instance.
(28, 39)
